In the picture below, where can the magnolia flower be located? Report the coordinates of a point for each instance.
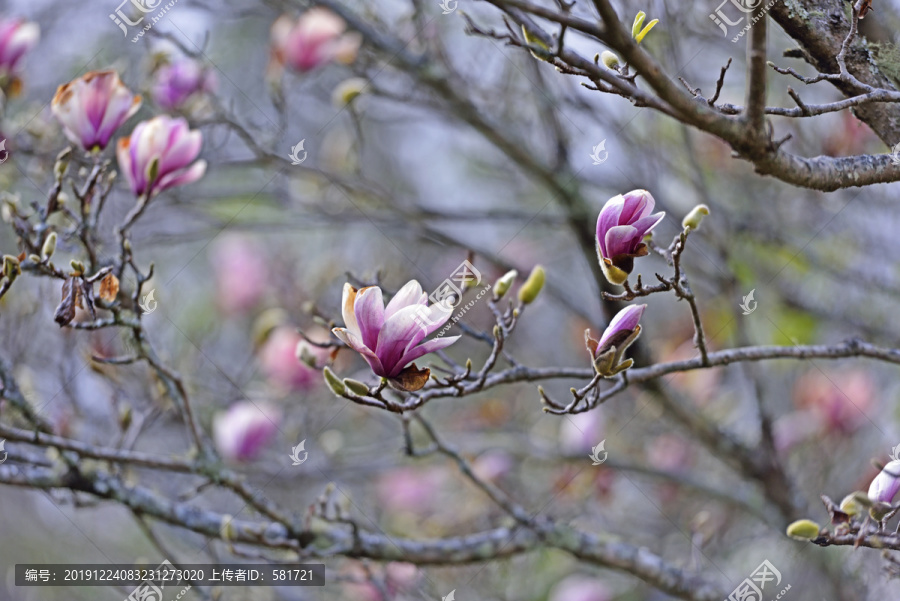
(241, 432)
(390, 338)
(279, 361)
(607, 352)
(318, 37)
(92, 107)
(16, 38)
(886, 484)
(159, 154)
(621, 227)
(241, 273)
(176, 82)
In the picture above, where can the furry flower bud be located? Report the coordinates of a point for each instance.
(532, 286)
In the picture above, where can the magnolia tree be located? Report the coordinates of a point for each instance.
(472, 299)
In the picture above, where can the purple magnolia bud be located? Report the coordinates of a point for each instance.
(621, 227)
(318, 37)
(92, 107)
(241, 432)
(16, 38)
(160, 154)
(623, 330)
(175, 83)
(391, 337)
(886, 484)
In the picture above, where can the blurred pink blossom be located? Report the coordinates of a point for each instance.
(839, 400)
(160, 154)
(318, 37)
(241, 273)
(92, 107)
(579, 433)
(175, 83)
(241, 432)
(17, 37)
(409, 489)
(278, 358)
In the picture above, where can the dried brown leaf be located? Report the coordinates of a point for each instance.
(109, 288)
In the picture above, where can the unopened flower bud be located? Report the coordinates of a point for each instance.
(532, 286)
(347, 91)
(227, 530)
(886, 484)
(879, 510)
(693, 219)
(11, 268)
(334, 382)
(49, 246)
(856, 503)
(62, 163)
(610, 60)
(125, 418)
(305, 355)
(803, 530)
(34, 258)
(77, 267)
(636, 31)
(534, 41)
(503, 284)
(356, 387)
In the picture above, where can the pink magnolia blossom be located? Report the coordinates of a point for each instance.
(279, 362)
(160, 154)
(621, 227)
(318, 37)
(390, 338)
(886, 484)
(622, 331)
(17, 37)
(92, 107)
(241, 432)
(241, 273)
(175, 83)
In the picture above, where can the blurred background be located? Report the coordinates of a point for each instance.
(477, 150)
